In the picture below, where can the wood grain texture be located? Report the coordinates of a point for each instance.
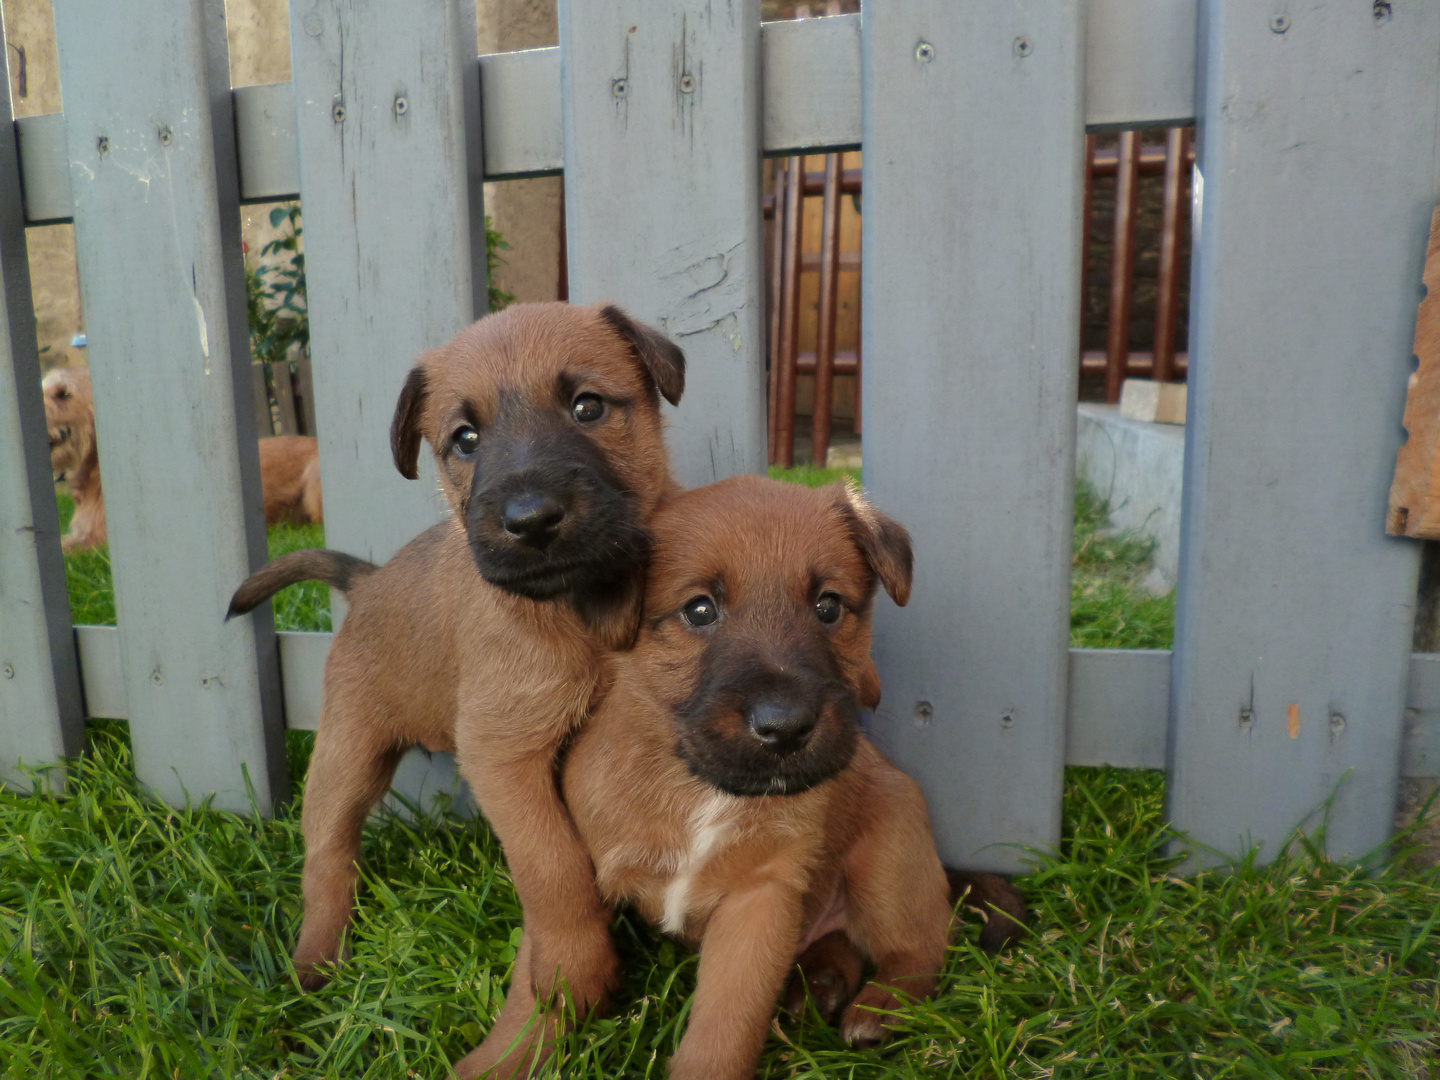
(661, 108)
(384, 182)
(157, 236)
(971, 306)
(1302, 319)
(1415, 491)
(41, 715)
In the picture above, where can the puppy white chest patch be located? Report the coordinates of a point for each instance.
(709, 829)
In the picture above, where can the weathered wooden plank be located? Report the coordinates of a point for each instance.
(1295, 609)
(265, 141)
(1117, 712)
(41, 716)
(662, 203)
(811, 74)
(1415, 491)
(156, 206)
(44, 168)
(398, 264)
(972, 266)
(1139, 63)
(1140, 73)
(381, 118)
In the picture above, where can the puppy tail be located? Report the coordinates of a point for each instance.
(334, 568)
(994, 897)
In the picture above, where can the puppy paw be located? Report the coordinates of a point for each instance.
(585, 969)
(864, 1022)
(828, 990)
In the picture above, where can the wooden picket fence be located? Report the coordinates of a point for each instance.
(1292, 679)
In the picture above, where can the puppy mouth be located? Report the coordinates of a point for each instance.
(740, 764)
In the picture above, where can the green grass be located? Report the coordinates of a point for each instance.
(137, 940)
(305, 606)
(140, 940)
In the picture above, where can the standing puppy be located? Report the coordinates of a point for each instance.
(484, 635)
(724, 790)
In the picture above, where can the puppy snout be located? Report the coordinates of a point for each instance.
(783, 726)
(533, 519)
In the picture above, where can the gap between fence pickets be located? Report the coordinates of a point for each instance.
(1117, 713)
(1140, 72)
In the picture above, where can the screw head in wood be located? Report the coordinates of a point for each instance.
(165, 136)
(1023, 47)
(102, 144)
(924, 52)
(924, 712)
(619, 88)
(1279, 24)
(687, 84)
(7, 671)
(156, 677)
(1337, 724)
(337, 112)
(402, 106)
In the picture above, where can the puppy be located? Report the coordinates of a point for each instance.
(484, 635)
(70, 423)
(724, 790)
(289, 464)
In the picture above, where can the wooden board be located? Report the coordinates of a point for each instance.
(1415, 491)
(157, 243)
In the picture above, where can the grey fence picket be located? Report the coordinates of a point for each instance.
(973, 122)
(156, 206)
(394, 267)
(1294, 607)
(661, 120)
(41, 712)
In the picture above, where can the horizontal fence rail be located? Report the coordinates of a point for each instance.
(1141, 73)
(1116, 714)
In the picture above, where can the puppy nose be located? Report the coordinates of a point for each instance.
(533, 519)
(782, 726)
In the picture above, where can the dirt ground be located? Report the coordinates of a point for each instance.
(1413, 794)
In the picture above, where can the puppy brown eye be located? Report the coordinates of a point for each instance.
(466, 441)
(828, 608)
(700, 612)
(587, 408)
(62, 394)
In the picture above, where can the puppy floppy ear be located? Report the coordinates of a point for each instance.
(405, 428)
(660, 356)
(883, 541)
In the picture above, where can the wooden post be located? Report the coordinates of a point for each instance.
(661, 107)
(149, 129)
(972, 175)
(1293, 623)
(41, 717)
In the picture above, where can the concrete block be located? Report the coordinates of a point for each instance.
(1138, 467)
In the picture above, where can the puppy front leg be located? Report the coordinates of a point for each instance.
(748, 949)
(519, 1040)
(566, 922)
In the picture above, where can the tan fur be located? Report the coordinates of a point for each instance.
(289, 464)
(431, 654)
(753, 882)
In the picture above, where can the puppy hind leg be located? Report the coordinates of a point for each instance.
(898, 909)
(350, 770)
(830, 972)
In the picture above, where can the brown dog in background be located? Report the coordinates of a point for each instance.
(725, 791)
(545, 424)
(289, 464)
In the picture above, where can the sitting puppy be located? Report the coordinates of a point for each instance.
(724, 789)
(289, 464)
(545, 423)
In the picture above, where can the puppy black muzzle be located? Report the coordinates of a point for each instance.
(547, 515)
(751, 727)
